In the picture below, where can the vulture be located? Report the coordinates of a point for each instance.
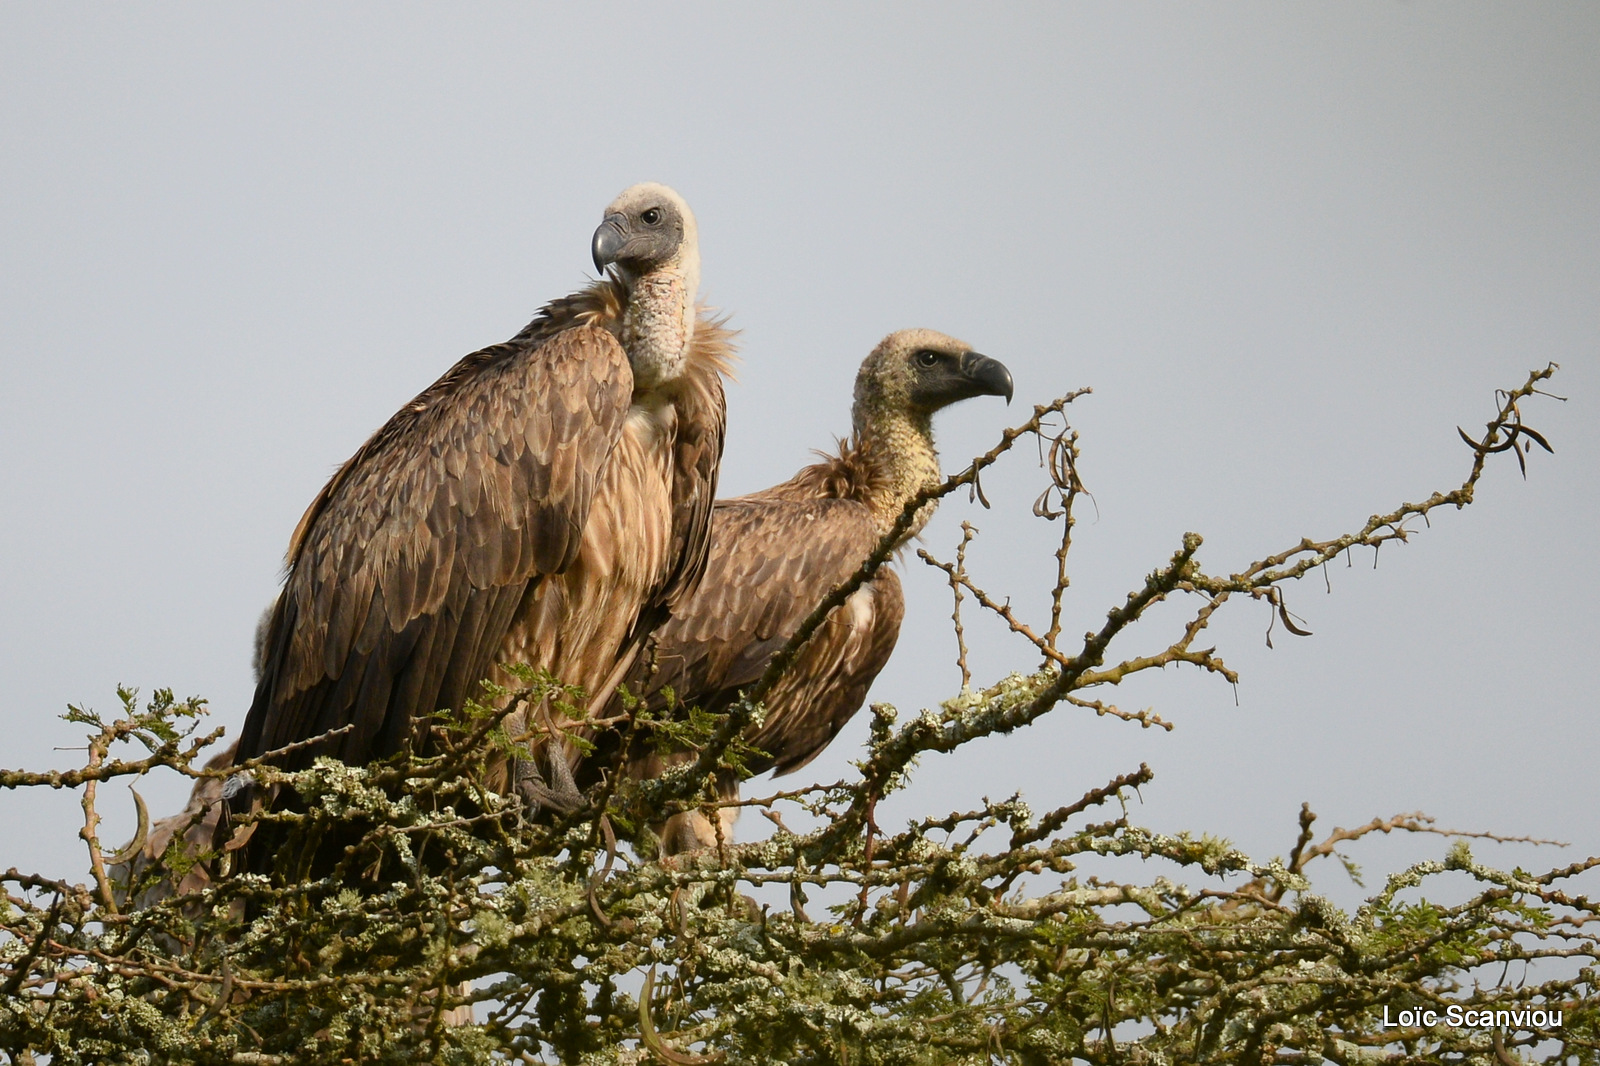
(545, 502)
(776, 554)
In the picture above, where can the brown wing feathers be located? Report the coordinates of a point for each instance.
(409, 568)
(698, 455)
(772, 561)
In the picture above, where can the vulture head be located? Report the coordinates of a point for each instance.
(649, 243)
(919, 371)
(910, 375)
(646, 229)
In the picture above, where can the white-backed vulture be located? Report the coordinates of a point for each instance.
(776, 554)
(529, 507)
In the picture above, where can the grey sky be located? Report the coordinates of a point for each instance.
(1290, 247)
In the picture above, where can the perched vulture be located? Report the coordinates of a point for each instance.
(531, 506)
(776, 554)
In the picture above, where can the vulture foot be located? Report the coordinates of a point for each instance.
(556, 791)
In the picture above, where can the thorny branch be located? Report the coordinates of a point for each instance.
(958, 575)
(1065, 675)
(1061, 461)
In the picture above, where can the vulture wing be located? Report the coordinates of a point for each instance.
(772, 561)
(409, 567)
(697, 457)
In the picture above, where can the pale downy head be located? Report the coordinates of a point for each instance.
(915, 372)
(648, 241)
(910, 375)
(648, 228)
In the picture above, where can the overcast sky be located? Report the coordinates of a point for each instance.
(1290, 247)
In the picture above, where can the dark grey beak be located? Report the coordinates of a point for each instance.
(990, 376)
(608, 241)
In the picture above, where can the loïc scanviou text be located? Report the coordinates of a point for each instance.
(1460, 1017)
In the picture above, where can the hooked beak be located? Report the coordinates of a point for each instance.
(989, 376)
(608, 242)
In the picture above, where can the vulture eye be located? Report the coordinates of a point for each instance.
(650, 216)
(927, 357)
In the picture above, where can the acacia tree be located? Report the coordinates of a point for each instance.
(963, 937)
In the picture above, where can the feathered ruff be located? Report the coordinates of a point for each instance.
(861, 470)
(712, 347)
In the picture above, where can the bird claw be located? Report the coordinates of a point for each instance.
(556, 792)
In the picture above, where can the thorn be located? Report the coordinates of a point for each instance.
(140, 836)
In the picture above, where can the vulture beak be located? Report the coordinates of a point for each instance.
(608, 241)
(989, 377)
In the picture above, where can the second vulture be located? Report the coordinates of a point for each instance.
(776, 554)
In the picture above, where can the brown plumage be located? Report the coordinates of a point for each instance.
(776, 554)
(528, 507)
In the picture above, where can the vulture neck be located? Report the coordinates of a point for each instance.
(895, 451)
(658, 322)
